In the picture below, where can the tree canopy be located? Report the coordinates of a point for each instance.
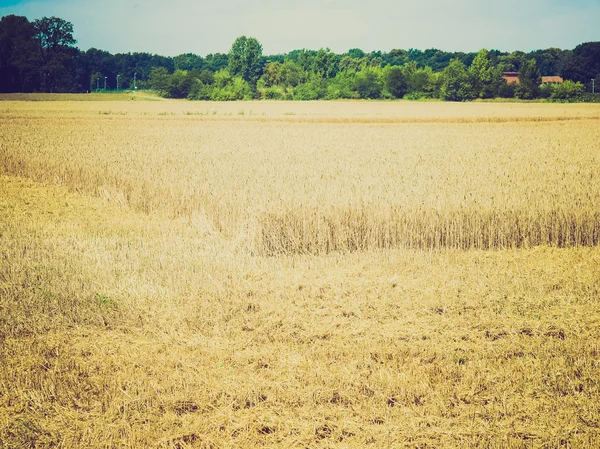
(42, 56)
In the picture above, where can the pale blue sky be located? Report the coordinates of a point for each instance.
(180, 26)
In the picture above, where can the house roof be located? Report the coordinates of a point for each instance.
(552, 79)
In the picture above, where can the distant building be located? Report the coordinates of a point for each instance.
(513, 78)
(552, 80)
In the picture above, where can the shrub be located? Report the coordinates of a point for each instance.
(568, 90)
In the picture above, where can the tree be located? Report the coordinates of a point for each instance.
(529, 80)
(245, 59)
(19, 55)
(456, 82)
(482, 75)
(188, 61)
(394, 81)
(325, 63)
(420, 82)
(272, 74)
(368, 83)
(396, 57)
(568, 90)
(57, 50)
(159, 80)
(584, 63)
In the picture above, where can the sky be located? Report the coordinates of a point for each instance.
(172, 27)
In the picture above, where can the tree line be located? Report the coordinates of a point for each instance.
(41, 56)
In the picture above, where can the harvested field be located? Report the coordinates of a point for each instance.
(345, 274)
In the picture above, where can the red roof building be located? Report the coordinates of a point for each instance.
(511, 77)
(552, 80)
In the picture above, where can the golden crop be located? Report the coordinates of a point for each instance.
(344, 274)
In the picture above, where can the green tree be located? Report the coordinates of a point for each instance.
(368, 83)
(188, 61)
(420, 82)
(529, 80)
(245, 59)
(19, 55)
(160, 79)
(394, 81)
(569, 90)
(325, 63)
(456, 82)
(291, 74)
(96, 81)
(272, 74)
(57, 51)
(483, 75)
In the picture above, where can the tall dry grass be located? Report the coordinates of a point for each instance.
(296, 187)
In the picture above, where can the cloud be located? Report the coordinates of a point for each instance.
(202, 27)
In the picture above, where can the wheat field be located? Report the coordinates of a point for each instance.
(322, 274)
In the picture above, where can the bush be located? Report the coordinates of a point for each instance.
(568, 90)
(368, 84)
(314, 89)
(546, 90)
(200, 91)
(395, 81)
(340, 87)
(272, 93)
(414, 96)
(507, 90)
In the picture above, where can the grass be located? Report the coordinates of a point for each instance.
(139, 309)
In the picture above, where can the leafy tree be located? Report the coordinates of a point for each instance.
(420, 82)
(96, 81)
(291, 74)
(200, 90)
(57, 51)
(456, 82)
(549, 61)
(304, 58)
(511, 62)
(216, 61)
(314, 88)
(394, 81)
(160, 79)
(325, 63)
(245, 59)
(529, 80)
(179, 84)
(352, 65)
(341, 86)
(272, 74)
(569, 90)
(368, 83)
(483, 75)
(188, 61)
(356, 53)
(584, 63)
(396, 57)
(19, 56)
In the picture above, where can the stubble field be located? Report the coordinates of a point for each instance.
(343, 274)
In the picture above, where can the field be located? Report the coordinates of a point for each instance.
(339, 274)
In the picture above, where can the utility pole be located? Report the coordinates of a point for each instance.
(118, 82)
(134, 79)
(593, 86)
(105, 83)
